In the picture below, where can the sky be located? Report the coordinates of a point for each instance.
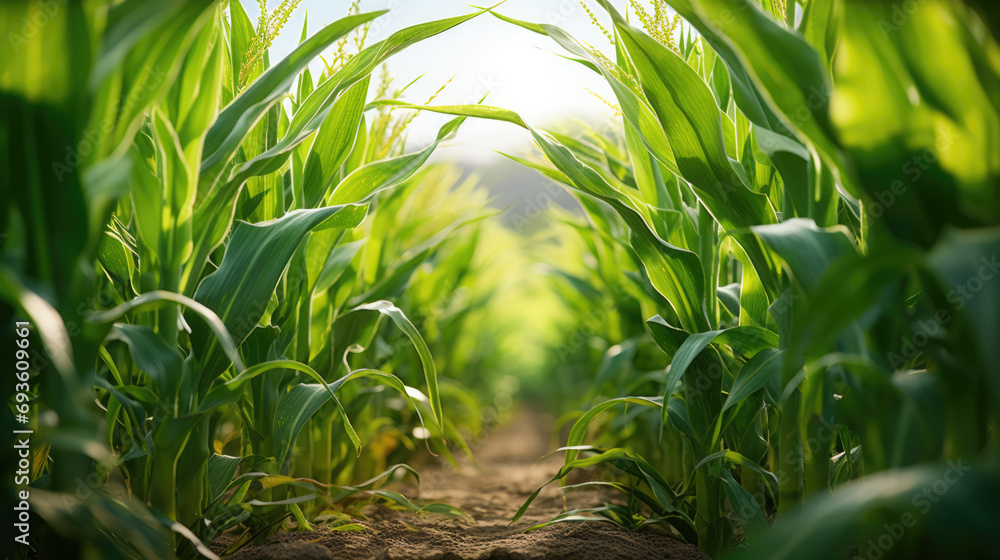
(515, 68)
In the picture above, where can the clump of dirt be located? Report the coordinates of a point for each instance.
(509, 471)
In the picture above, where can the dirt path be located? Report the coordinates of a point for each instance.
(508, 472)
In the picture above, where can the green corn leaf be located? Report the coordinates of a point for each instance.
(160, 298)
(744, 340)
(826, 528)
(246, 110)
(426, 360)
(617, 360)
(534, 27)
(336, 264)
(221, 469)
(819, 26)
(378, 480)
(190, 109)
(744, 506)
(579, 430)
(945, 171)
(622, 458)
(754, 375)
(377, 176)
(212, 218)
(736, 458)
(333, 143)
(689, 116)
(604, 514)
(315, 108)
(748, 97)
(753, 298)
(677, 414)
(116, 258)
(140, 63)
(299, 405)
(436, 507)
(784, 66)
(152, 355)
(807, 249)
(764, 369)
(135, 416)
(963, 261)
(230, 391)
(241, 38)
(477, 111)
(240, 289)
(635, 108)
(178, 193)
(720, 83)
(675, 272)
(92, 518)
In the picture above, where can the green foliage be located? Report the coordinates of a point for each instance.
(797, 197)
(206, 266)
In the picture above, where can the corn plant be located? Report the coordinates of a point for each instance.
(754, 192)
(207, 214)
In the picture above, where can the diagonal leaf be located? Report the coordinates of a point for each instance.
(241, 288)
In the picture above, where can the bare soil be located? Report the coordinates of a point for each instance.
(508, 471)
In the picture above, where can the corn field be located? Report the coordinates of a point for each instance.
(244, 306)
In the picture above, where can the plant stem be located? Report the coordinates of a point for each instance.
(710, 537)
(709, 252)
(167, 320)
(789, 473)
(163, 495)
